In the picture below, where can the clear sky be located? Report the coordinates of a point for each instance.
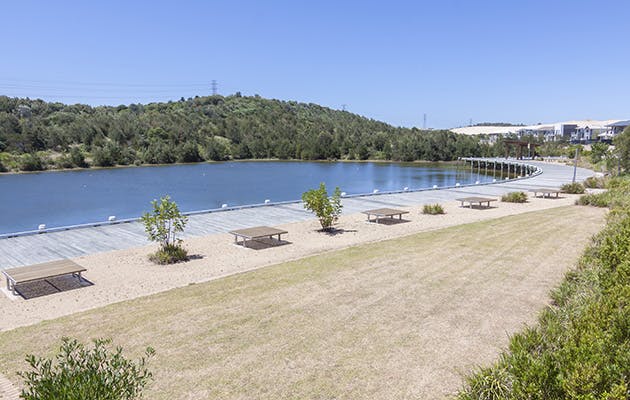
(515, 61)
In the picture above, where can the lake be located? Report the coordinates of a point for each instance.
(87, 196)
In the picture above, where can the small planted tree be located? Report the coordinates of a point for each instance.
(327, 209)
(162, 225)
(78, 372)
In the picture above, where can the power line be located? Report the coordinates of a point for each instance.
(78, 96)
(112, 84)
(108, 91)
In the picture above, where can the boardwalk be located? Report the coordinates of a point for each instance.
(26, 250)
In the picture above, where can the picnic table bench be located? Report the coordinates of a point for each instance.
(41, 272)
(546, 192)
(381, 213)
(256, 233)
(476, 200)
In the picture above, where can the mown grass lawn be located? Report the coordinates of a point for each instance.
(403, 318)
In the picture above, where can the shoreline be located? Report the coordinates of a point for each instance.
(126, 274)
(116, 167)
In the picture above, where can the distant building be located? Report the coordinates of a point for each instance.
(577, 131)
(543, 132)
(589, 130)
(613, 129)
(488, 133)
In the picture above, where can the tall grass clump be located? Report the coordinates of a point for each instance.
(514, 197)
(580, 348)
(433, 209)
(595, 182)
(617, 197)
(573, 188)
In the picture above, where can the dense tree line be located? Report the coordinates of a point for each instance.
(35, 134)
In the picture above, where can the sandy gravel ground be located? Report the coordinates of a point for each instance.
(127, 274)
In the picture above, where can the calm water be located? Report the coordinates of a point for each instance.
(76, 197)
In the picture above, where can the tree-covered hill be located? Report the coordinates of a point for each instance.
(35, 134)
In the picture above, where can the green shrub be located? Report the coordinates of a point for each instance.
(598, 152)
(617, 197)
(596, 200)
(103, 157)
(594, 182)
(63, 162)
(327, 209)
(78, 158)
(514, 197)
(433, 209)
(77, 372)
(573, 188)
(169, 254)
(188, 153)
(31, 162)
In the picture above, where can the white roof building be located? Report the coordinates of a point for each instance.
(492, 132)
(583, 130)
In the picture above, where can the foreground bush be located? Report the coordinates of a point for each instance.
(80, 373)
(433, 209)
(616, 198)
(514, 197)
(573, 188)
(595, 200)
(327, 209)
(581, 346)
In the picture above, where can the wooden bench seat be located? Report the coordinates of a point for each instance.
(39, 272)
(546, 192)
(256, 233)
(476, 200)
(381, 213)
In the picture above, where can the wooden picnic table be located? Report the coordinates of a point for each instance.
(41, 272)
(546, 192)
(381, 213)
(476, 200)
(256, 233)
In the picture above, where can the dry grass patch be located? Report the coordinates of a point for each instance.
(402, 318)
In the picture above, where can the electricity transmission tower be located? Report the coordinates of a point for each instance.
(214, 87)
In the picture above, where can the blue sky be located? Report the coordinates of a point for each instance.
(517, 61)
